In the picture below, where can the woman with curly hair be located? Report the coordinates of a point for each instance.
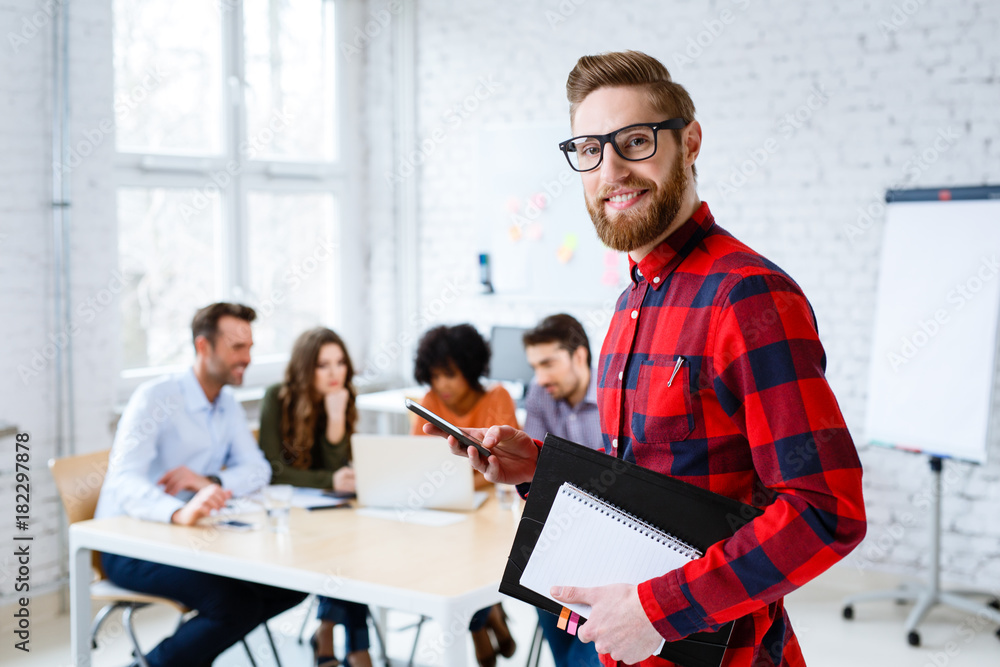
(452, 360)
(306, 423)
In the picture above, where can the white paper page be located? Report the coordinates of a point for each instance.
(583, 545)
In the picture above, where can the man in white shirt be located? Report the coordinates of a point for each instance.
(182, 449)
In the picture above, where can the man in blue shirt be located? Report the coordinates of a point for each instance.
(562, 401)
(182, 449)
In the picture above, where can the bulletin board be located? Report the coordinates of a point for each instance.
(535, 226)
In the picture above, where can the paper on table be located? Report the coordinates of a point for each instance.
(419, 517)
(588, 542)
(309, 498)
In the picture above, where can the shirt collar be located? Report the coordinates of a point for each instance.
(664, 258)
(194, 396)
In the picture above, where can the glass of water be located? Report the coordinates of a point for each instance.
(278, 503)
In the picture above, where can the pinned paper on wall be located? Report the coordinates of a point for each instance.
(565, 252)
(535, 225)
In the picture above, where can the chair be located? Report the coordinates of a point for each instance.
(78, 480)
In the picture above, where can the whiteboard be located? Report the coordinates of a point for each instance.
(535, 224)
(934, 344)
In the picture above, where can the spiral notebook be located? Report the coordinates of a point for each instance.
(581, 523)
(563, 530)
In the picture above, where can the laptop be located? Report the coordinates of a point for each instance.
(410, 473)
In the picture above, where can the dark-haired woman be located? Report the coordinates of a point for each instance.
(306, 423)
(452, 360)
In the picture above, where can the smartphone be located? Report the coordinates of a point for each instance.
(449, 428)
(233, 524)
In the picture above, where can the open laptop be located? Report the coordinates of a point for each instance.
(412, 472)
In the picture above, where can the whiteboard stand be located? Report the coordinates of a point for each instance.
(929, 595)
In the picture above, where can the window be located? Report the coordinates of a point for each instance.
(229, 170)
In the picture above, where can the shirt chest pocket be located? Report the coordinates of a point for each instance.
(661, 410)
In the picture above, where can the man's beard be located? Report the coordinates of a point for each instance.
(634, 229)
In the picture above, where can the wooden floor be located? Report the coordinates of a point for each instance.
(873, 639)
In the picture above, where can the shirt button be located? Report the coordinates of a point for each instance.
(621, 375)
(635, 314)
(614, 443)
(656, 280)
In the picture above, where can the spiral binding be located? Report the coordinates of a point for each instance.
(630, 520)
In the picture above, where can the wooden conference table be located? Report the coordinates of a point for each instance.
(444, 572)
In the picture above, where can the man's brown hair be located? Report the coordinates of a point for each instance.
(630, 68)
(206, 320)
(562, 329)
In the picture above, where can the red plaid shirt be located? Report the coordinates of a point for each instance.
(712, 372)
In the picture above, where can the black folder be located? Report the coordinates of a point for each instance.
(692, 514)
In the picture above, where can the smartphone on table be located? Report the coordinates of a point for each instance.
(233, 524)
(449, 428)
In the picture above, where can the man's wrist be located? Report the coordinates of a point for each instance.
(213, 479)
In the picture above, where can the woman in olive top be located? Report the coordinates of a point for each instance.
(306, 423)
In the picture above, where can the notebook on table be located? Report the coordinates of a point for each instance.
(587, 510)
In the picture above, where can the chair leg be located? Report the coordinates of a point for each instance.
(130, 631)
(416, 640)
(381, 642)
(270, 640)
(313, 601)
(95, 627)
(253, 663)
(535, 650)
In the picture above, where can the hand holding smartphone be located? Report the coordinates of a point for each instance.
(449, 428)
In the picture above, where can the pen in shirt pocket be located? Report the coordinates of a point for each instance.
(677, 368)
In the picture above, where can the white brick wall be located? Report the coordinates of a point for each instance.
(888, 94)
(26, 249)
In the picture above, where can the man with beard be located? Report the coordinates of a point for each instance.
(182, 449)
(711, 372)
(562, 401)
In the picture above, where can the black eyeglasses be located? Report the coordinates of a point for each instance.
(632, 142)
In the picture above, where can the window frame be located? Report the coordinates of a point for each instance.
(278, 176)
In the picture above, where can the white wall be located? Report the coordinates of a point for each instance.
(874, 84)
(888, 96)
(29, 330)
